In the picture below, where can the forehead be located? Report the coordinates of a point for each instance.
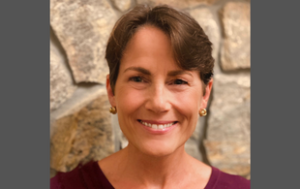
(150, 35)
(149, 45)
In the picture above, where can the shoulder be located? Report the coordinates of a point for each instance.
(233, 181)
(222, 180)
(78, 178)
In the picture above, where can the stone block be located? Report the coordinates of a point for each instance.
(62, 85)
(84, 135)
(228, 134)
(207, 21)
(222, 153)
(122, 5)
(83, 28)
(182, 4)
(235, 51)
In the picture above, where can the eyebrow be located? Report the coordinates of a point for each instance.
(139, 69)
(178, 72)
(171, 73)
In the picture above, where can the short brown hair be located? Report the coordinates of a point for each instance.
(191, 46)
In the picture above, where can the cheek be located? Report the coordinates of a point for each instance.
(188, 102)
(128, 99)
(188, 105)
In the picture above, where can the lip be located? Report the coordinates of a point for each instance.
(158, 131)
(156, 122)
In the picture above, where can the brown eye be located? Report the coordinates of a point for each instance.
(136, 79)
(179, 82)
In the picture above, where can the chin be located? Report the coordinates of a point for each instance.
(158, 153)
(158, 150)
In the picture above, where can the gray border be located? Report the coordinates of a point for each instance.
(24, 73)
(274, 56)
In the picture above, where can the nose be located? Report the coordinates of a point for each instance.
(158, 100)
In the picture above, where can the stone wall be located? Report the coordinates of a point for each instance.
(81, 127)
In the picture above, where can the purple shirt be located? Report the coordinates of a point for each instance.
(90, 176)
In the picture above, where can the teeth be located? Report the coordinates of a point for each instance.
(155, 126)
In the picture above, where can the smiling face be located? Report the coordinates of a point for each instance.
(157, 102)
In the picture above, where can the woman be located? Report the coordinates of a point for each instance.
(160, 81)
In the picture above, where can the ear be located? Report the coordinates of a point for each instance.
(207, 94)
(110, 94)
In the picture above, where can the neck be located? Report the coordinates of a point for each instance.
(152, 170)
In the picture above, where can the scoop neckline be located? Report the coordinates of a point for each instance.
(106, 183)
(214, 176)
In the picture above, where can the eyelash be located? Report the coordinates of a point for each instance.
(135, 79)
(182, 82)
(139, 79)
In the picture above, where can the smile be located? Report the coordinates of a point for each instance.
(157, 126)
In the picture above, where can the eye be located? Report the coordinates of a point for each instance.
(180, 82)
(137, 79)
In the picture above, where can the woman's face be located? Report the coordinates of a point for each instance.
(157, 102)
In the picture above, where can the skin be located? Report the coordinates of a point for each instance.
(151, 87)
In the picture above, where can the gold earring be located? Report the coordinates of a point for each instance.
(203, 112)
(113, 110)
